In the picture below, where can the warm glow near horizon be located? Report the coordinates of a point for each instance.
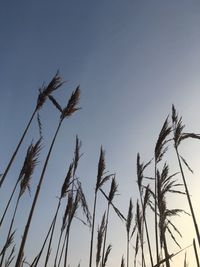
(132, 59)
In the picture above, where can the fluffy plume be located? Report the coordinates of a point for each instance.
(101, 179)
(45, 91)
(67, 182)
(30, 162)
(129, 216)
(113, 190)
(71, 105)
(140, 171)
(160, 147)
(77, 154)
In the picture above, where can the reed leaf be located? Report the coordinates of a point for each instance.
(108, 250)
(8, 243)
(122, 262)
(186, 164)
(84, 205)
(45, 91)
(55, 103)
(10, 258)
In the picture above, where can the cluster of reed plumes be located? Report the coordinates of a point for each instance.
(152, 192)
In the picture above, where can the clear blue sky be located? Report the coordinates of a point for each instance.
(132, 59)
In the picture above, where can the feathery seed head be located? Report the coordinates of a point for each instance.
(160, 147)
(113, 189)
(72, 104)
(66, 183)
(129, 216)
(77, 154)
(101, 168)
(30, 162)
(84, 204)
(45, 91)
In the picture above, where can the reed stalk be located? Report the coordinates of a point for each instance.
(112, 193)
(101, 179)
(159, 151)
(128, 227)
(44, 92)
(196, 253)
(67, 112)
(179, 136)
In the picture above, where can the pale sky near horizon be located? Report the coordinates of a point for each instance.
(132, 59)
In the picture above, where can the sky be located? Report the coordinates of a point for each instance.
(132, 59)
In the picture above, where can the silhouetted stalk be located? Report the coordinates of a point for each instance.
(26, 230)
(52, 232)
(139, 223)
(141, 230)
(66, 240)
(66, 112)
(17, 148)
(58, 247)
(105, 234)
(178, 137)
(155, 214)
(54, 84)
(10, 229)
(147, 232)
(142, 248)
(146, 229)
(101, 179)
(26, 172)
(68, 209)
(37, 258)
(159, 151)
(113, 190)
(8, 204)
(166, 252)
(100, 237)
(64, 190)
(92, 233)
(196, 254)
(71, 212)
(128, 227)
(61, 253)
(66, 249)
(25, 175)
(64, 243)
(188, 196)
(127, 253)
